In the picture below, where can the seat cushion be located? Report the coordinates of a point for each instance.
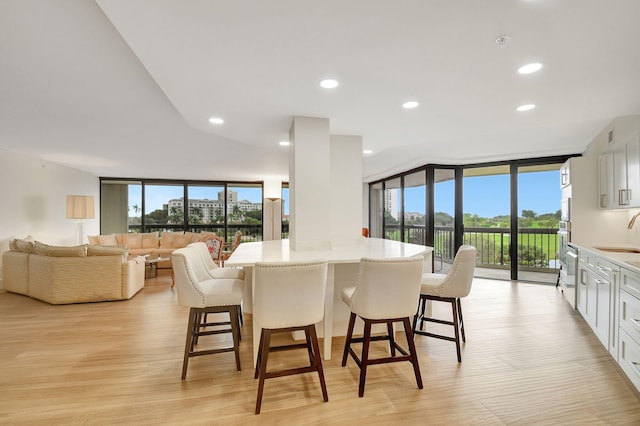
(237, 274)
(347, 293)
(222, 292)
(431, 284)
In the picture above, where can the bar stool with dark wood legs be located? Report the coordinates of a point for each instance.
(204, 295)
(385, 293)
(448, 288)
(288, 297)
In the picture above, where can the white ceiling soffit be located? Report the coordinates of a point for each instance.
(258, 63)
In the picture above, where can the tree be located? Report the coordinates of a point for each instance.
(529, 214)
(175, 215)
(156, 217)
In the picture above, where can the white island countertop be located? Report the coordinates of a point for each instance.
(247, 254)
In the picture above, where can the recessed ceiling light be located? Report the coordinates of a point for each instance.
(410, 104)
(530, 68)
(329, 83)
(284, 143)
(216, 120)
(527, 107)
(367, 151)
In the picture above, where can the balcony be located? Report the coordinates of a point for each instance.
(537, 250)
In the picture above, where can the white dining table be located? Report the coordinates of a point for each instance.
(248, 254)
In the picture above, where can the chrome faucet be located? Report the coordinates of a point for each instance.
(633, 220)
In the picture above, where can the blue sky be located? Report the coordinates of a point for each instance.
(488, 196)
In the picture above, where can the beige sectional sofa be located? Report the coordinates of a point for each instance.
(150, 243)
(62, 275)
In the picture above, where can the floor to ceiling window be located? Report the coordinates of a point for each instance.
(487, 218)
(151, 205)
(506, 210)
(539, 214)
(392, 209)
(415, 214)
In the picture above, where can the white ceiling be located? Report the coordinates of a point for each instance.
(125, 88)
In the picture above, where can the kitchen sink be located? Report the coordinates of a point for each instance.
(619, 249)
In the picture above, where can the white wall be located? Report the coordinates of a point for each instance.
(33, 199)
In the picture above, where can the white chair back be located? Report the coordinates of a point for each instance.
(186, 261)
(289, 294)
(387, 288)
(460, 276)
(203, 251)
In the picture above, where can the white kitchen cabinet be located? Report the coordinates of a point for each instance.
(605, 173)
(626, 172)
(597, 281)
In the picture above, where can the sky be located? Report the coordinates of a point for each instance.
(488, 196)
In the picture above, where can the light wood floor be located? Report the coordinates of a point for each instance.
(529, 359)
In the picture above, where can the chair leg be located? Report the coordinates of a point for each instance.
(265, 342)
(392, 341)
(454, 308)
(365, 357)
(188, 346)
(347, 339)
(235, 332)
(318, 361)
(412, 351)
(461, 320)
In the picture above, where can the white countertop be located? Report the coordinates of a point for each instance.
(247, 254)
(624, 259)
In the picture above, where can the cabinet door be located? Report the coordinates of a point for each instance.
(601, 316)
(583, 290)
(632, 147)
(605, 173)
(620, 176)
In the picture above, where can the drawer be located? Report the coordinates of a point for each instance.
(583, 257)
(630, 282)
(604, 268)
(629, 358)
(630, 315)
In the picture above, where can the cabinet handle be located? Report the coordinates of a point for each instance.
(602, 282)
(623, 198)
(636, 365)
(604, 269)
(635, 321)
(603, 200)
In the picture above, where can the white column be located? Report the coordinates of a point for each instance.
(309, 184)
(346, 190)
(325, 186)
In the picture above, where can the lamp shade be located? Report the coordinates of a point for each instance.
(80, 207)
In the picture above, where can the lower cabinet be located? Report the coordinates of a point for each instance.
(609, 300)
(597, 280)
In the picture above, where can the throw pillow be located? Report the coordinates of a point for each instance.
(12, 242)
(99, 250)
(93, 239)
(133, 241)
(59, 251)
(24, 246)
(166, 239)
(150, 240)
(107, 240)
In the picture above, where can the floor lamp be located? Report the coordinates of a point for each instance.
(273, 216)
(80, 207)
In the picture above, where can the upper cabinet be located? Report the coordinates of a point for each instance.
(565, 174)
(619, 171)
(605, 173)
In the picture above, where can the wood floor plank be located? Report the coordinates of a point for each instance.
(529, 359)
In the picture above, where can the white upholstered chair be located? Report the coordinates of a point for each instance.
(385, 293)
(203, 295)
(288, 297)
(450, 288)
